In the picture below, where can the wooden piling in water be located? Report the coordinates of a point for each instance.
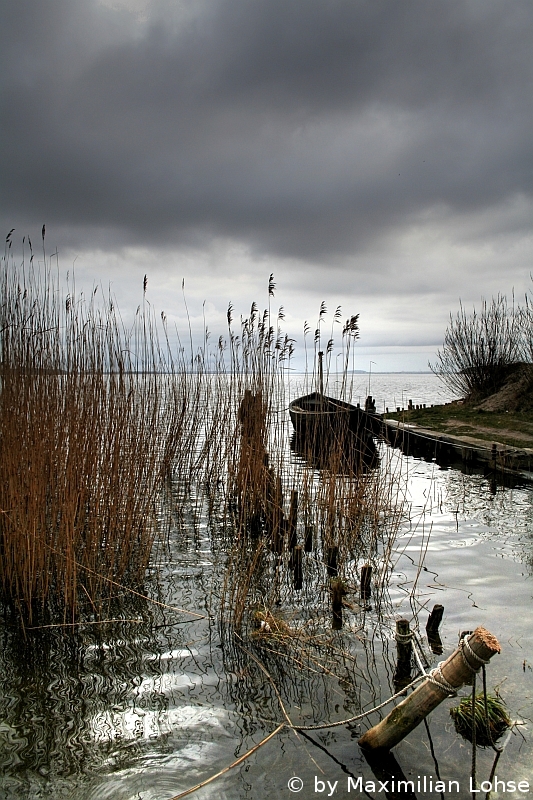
(293, 519)
(332, 561)
(434, 619)
(404, 649)
(297, 564)
(366, 582)
(308, 540)
(387, 770)
(450, 675)
(337, 593)
(432, 628)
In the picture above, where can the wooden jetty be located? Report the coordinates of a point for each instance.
(464, 452)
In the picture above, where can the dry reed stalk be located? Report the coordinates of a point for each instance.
(92, 417)
(343, 495)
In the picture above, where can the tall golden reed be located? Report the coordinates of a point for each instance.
(96, 416)
(92, 418)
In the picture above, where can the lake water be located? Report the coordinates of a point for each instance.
(389, 389)
(147, 708)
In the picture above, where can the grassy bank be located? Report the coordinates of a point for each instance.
(511, 428)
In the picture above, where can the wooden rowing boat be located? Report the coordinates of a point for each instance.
(316, 416)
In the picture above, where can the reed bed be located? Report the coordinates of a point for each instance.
(98, 419)
(93, 417)
(302, 516)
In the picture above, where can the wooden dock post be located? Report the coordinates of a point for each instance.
(404, 649)
(332, 561)
(293, 518)
(366, 582)
(297, 564)
(450, 675)
(387, 770)
(308, 540)
(432, 628)
(337, 593)
(434, 619)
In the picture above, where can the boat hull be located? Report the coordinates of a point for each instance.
(332, 434)
(318, 416)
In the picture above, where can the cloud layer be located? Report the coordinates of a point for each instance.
(364, 140)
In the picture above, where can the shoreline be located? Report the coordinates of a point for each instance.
(495, 458)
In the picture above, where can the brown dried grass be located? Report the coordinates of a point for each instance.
(92, 419)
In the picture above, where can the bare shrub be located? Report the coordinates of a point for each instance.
(481, 349)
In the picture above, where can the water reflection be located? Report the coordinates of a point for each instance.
(354, 456)
(146, 709)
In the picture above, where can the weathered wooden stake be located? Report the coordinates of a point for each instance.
(366, 582)
(332, 561)
(432, 628)
(277, 520)
(387, 770)
(451, 675)
(404, 648)
(308, 541)
(337, 593)
(293, 518)
(434, 619)
(297, 562)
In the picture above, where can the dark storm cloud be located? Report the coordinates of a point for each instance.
(306, 128)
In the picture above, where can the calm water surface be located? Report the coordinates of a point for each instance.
(389, 389)
(146, 709)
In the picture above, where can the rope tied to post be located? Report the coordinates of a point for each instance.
(441, 682)
(463, 645)
(433, 690)
(404, 638)
(437, 678)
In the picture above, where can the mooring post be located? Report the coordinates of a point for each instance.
(366, 582)
(332, 561)
(404, 649)
(293, 518)
(432, 628)
(387, 770)
(337, 593)
(297, 563)
(308, 540)
(434, 619)
(473, 651)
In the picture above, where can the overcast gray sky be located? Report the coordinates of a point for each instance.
(375, 154)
